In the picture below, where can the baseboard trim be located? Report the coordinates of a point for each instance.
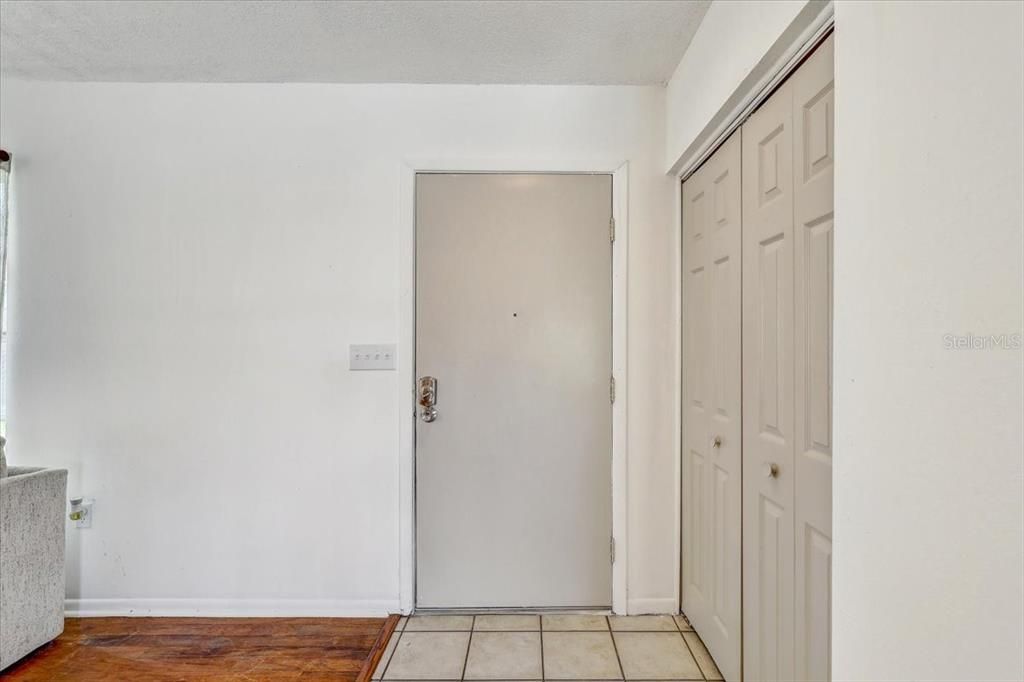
(226, 608)
(640, 607)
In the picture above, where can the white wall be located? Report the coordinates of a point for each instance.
(189, 264)
(735, 45)
(928, 441)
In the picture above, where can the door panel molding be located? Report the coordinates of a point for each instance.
(408, 169)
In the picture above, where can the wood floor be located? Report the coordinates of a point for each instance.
(208, 649)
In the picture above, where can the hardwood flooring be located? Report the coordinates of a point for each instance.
(209, 649)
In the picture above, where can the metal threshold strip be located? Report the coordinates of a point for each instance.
(526, 610)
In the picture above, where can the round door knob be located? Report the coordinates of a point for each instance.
(717, 442)
(771, 470)
(429, 414)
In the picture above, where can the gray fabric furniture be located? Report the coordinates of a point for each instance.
(31, 559)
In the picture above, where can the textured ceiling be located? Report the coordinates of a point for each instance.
(468, 41)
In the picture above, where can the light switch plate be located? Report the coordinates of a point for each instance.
(370, 356)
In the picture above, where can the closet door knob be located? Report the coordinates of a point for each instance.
(771, 470)
(717, 442)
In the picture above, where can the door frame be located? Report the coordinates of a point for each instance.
(807, 31)
(406, 349)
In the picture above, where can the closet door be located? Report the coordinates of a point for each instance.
(768, 473)
(712, 479)
(787, 377)
(814, 114)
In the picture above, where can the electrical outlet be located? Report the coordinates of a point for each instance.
(373, 356)
(81, 512)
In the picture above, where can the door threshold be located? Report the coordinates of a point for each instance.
(525, 610)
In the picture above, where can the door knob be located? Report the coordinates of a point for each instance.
(426, 390)
(717, 442)
(771, 470)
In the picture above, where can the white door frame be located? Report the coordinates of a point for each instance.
(619, 170)
(801, 38)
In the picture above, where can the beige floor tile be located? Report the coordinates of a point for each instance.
(580, 656)
(428, 656)
(504, 656)
(383, 663)
(401, 623)
(704, 660)
(507, 623)
(435, 623)
(643, 624)
(655, 655)
(555, 623)
(683, 622)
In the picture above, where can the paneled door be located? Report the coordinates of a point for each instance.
(514, 358)
(768, 475)
(814, 124)
(787, 377)
(712, 426)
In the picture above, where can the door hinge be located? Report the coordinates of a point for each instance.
(611, 549)
(611, 229)
(611, 389)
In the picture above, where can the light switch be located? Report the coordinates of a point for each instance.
(371, 356)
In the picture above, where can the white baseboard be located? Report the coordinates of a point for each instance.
(225, 608)
(640, 607)
(269, 608)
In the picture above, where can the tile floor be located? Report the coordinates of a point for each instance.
(514, 648)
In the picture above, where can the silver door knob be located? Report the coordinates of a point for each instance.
(428, 414)
(717, 442)
(771, 470)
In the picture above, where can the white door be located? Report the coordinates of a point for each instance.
(787, 377)
(813, 125)
(514, 321)
(712, 425)
(768, 474)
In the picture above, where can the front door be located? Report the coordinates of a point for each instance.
(514, 327)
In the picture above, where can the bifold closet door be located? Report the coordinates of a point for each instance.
(787, 380)
(712, 425)
(814, 124)
(768, 476)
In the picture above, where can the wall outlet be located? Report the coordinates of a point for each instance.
(379, 356)
(81, 511)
